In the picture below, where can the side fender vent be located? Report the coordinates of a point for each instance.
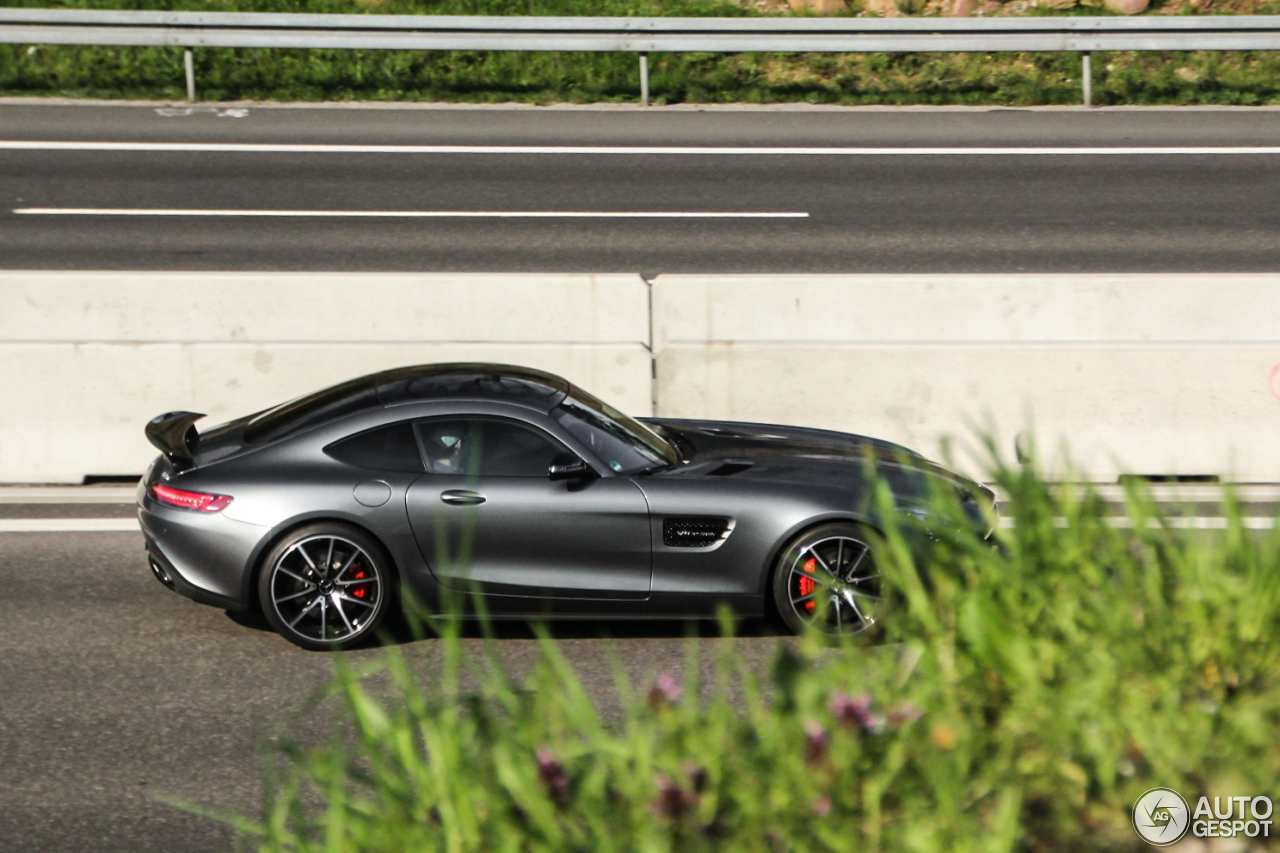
(694, 531)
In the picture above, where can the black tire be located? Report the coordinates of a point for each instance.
(326, 586)
(835, 557)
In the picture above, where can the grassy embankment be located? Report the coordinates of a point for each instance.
(1000, 79)
(1025, 698)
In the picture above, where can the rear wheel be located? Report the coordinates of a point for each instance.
(828, 577)
(326, 586)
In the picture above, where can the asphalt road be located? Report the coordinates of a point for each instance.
(118, 697)
(995, 212)
(116, 694)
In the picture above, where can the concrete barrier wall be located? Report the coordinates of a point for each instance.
(87, 358)
(1157, 374)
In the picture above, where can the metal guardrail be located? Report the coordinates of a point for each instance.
(638, 35)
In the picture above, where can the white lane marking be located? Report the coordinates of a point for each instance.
(66, 495)
(1206, 523)
(67, 525)
(89, 525)
(180, 112)
(278, 148)
(413, 214)
(1174, 493)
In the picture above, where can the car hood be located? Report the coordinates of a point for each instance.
(732, 439)
(770, 451)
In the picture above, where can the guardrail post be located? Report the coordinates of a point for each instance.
(190, 62)
(644, 79)
(1087, 74)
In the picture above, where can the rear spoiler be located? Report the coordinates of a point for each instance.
(174, 434)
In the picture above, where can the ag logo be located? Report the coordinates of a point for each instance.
(1161, 817)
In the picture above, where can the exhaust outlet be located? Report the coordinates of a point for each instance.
(161, 574)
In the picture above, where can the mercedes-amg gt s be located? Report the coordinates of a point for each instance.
(516, 485)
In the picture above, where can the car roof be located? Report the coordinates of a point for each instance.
(416, 384)
(470, 380)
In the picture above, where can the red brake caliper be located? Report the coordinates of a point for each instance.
(363, 589)
(806, 584)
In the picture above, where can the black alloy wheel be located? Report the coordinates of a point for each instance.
(828, 578)
(326, 586)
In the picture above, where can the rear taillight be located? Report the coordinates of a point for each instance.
(199, 501)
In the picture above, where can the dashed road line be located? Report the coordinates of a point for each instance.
(641, 150)
(412, 214)
(68, 525)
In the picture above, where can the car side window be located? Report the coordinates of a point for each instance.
(486, 447)
(606, 437)
(387, 448)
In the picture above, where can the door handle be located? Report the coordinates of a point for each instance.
(462, 497)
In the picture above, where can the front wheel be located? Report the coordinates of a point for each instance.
(828, 578)
(326, 586)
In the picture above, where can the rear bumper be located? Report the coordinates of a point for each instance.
(182, 586)
(207, 556)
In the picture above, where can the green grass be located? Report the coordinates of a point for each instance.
(1024, 696)
(490, 77)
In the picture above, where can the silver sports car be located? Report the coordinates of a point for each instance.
(516, 485)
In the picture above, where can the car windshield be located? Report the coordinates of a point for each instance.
(621, 442)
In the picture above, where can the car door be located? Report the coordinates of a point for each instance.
(486, 512)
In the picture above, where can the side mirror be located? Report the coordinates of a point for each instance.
(567, 466)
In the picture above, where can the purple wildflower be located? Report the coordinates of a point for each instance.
(672, 802)
(816, 742)
(698, 777)
(665, 690)
(853, 712)
(905, 713)
(552, 775)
